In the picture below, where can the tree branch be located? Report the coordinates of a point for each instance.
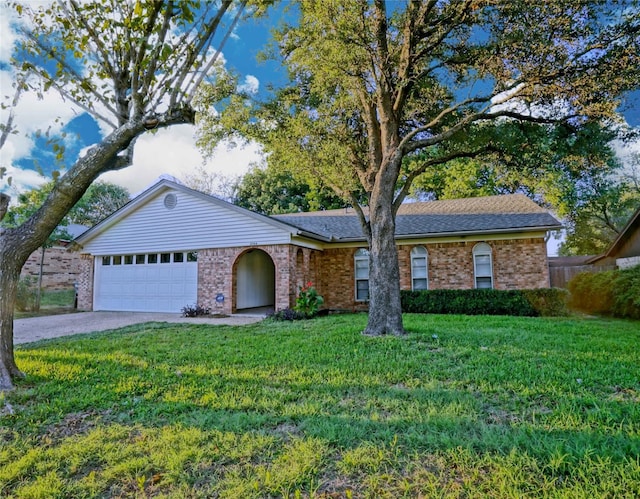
(142, 92)
(7, 128)
(95, 37)
(4, 205)
(66, 94)
(402, 194)
(202, 41)
(205, 70)
(71, 72)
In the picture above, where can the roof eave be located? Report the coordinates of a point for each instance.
(623, 234)
(313, 235)
(459, 233)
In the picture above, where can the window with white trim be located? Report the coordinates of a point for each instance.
(419, 272)
(361, 260)
(483, 266)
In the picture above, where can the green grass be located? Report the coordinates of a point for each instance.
(52, 303)
(461, 407)
(58, 298)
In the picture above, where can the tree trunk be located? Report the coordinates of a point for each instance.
(16, 244)
(4, 204)
(40, 275)
(9, 277)
(385, 310)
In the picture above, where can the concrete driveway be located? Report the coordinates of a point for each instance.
(54, 326)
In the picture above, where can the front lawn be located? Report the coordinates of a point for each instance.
(461, 407)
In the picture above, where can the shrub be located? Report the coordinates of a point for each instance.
(530, 303)
(548, 302)
(287, 314)
(194, 311)
(626, 293)
(615, 292)
(27, 294)
(308, 301)
(592, 292)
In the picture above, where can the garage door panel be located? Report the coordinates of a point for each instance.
(146, 287)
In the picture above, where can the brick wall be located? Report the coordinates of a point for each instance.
(217, 275)
(517, 264)
(520, 264)
(60, 270)
(336, 279)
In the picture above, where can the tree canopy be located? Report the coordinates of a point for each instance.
(99, 201)
(374, 83)
(270, 192)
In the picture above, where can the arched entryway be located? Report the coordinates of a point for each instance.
(255, 279)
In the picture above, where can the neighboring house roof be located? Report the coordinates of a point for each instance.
(75, 230)
(509, 213)
(492, 214)
(569, 261)
(633, 226)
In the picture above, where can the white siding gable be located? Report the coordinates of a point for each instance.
(194, 223)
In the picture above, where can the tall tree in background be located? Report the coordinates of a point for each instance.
(570, 169)
(135, 67)
(376, 82)
(605, 205)
(99, 201)
(212, 183)
(269, 191)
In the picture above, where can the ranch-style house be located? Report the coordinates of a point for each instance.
(172, 246)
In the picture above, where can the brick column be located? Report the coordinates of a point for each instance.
(85, 283)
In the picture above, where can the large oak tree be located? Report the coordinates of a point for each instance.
(375, 83)
(134, 66)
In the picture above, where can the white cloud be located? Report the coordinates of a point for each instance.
(173, 151)
(8, 36)
(627, 151)
(21, 180)
(251, 85)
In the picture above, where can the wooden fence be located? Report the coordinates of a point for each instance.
(560, 276)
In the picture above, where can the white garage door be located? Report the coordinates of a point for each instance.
(153, 282)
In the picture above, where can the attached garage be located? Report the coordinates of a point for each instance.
(152, 282)
(172, 247)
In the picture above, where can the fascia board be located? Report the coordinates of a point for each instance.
(432, 235)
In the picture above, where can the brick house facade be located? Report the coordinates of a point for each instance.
(143, 256)
(61, 267)
(60, 270)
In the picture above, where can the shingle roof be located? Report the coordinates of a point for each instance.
(509, 213)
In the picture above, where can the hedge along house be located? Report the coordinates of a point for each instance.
(172, 246)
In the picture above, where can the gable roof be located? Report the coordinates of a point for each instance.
(632, 225)
(490, 214)
(165, 185)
